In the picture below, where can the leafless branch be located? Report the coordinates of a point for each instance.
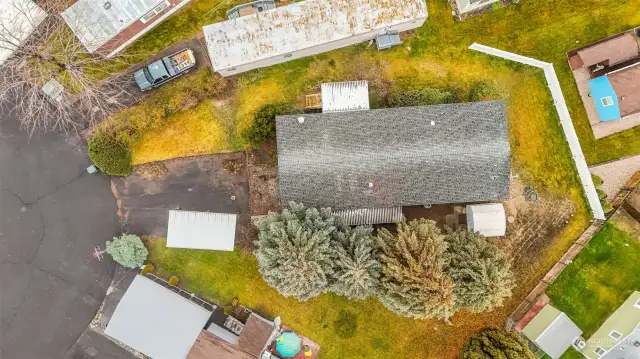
(93, 84)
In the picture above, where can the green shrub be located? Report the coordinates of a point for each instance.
(420, 97)
(496, 6)
(110, 155)
(228, 310)
(346, 324)
(495, 342)
(148, 268)
(264, 122)
(597, 180)
(128, 250)
(173, 280)
(483, 91)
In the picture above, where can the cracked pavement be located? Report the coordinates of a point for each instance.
(52, 214)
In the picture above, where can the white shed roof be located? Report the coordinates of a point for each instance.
(302, 25)
(18, 20)
(345, 96)
(487, 219)
(95, 22)
(156, 321)
(201, 230)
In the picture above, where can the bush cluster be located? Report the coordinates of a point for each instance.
(110, 155)
(263, 127)
(127, 250)
(418, 272)
(420, 97)
(483, 91)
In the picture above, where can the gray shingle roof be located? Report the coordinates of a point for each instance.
(453, 153)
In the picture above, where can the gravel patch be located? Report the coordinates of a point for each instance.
(615, 174)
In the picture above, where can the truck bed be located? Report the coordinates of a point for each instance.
(180, 61)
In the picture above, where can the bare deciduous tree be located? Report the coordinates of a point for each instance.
(48, 78)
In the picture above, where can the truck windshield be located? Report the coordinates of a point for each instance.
(147, 74)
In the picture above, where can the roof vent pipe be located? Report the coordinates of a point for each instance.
(300, 119)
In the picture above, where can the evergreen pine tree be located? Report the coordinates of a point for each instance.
(413, 282)
(294, 251)
(357, 268)
(496, 343)
(482, 275)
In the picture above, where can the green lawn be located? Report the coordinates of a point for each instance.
(600, 279)
(379, 334)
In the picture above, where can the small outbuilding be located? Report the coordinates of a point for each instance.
(345, 96)
(552, 331)
(201, 230)
(156, 321)
(487, 219)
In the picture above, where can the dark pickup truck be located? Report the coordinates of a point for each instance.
(165, 69)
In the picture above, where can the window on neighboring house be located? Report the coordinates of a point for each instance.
(156, 10)
(615, 335)
(607, 101)
(599, 351)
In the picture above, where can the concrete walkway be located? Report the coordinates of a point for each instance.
(615, 174)
(565, 121)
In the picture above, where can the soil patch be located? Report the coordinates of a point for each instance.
(263, 179)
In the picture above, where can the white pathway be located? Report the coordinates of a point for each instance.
(565, 121)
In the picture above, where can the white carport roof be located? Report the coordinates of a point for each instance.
(201, 230)
(18, 20)
(487, 219)
(156, 321)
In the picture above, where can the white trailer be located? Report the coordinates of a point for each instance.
(305, 28)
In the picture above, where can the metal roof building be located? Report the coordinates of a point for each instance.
(345, 96)
(156, 321)
(110, 25)
(552, 331)
(18, 20)
(487, 219)
(455, 153)
(201, 230)
(305, 28)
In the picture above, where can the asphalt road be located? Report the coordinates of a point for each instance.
(52, 214)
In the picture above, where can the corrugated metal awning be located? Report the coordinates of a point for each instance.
(360, 216)
(201, 230)
(345, 96)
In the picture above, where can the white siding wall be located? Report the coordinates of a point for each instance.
(466, 6)
(318, 49)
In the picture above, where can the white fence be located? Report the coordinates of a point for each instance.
(565, 121)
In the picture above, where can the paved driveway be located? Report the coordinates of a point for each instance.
(52, 215)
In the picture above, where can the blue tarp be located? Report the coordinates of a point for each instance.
(601, 88)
